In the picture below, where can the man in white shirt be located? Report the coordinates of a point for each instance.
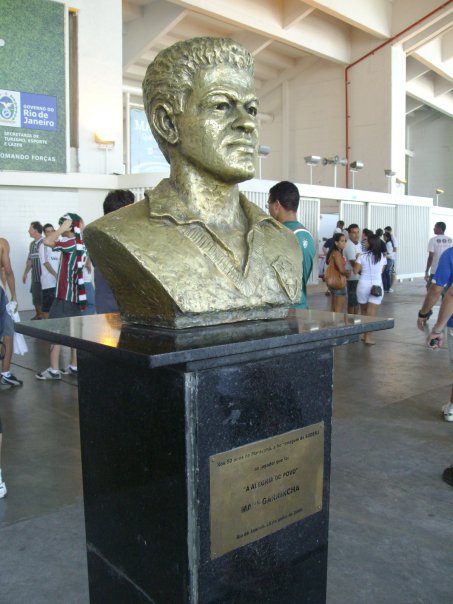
(49, 270)
(351, 252)
(436, 247)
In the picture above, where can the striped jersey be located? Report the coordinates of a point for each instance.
(35, 261)
(67, 269)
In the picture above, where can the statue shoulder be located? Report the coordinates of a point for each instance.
(124, 218)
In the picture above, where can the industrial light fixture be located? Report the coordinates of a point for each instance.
(103, 140)
(106, 144)
(263, 151)
(336, 161)
(354, 167)
(439, 191)
(311, 161)
(389, 173)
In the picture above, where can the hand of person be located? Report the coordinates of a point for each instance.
(66, 225)
(348, 274)
(24, 278)
(435, 340)
(426, 277)
(421, 323)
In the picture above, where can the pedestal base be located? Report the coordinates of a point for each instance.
(163, 414)
(147, 437)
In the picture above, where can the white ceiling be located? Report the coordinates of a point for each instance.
(286, 35)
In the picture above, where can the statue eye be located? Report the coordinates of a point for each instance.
(223, 106)
(252, 110)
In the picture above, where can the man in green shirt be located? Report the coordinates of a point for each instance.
(283, 203)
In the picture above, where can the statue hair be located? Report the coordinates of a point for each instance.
(169, 78)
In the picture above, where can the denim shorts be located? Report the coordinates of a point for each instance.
(338, 292)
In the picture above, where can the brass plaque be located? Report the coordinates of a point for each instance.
(262, 487)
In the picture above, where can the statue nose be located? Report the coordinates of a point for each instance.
(245, 121)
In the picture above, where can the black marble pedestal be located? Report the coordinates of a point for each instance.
(156, 407)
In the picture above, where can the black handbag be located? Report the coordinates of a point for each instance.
(376, 290)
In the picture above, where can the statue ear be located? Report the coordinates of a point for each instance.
(164, 123)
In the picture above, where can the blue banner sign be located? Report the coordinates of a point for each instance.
(145, 155)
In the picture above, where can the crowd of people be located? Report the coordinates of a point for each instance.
(61, 286)
(359, 269)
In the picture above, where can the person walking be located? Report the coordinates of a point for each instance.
(336, 270)
(70, 297)
(283, 204)
(388, 271)
(370, 265)
(33, 264)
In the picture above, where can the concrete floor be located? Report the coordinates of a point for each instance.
(391, 525)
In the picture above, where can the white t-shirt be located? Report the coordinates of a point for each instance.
(437, 245)
(350, 253)
(47, 254)
(371, 272)
(390, 250)
(395, 241)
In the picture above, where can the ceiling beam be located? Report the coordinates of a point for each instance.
(315, 35)
(135, 71)
(372, 16)
(139, 35)
(447, 46)
(254, 43)
(441, 85)
(294, 11)
(422, 90)
(414, 69)
(431, 56)
(412, 105)
(286, 75)
(428, 33)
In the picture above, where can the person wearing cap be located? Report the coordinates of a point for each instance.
(70, 295)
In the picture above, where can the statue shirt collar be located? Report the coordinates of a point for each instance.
(165, 203)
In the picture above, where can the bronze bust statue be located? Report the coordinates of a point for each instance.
(195, 251)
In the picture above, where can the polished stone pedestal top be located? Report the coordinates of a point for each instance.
(154, 347)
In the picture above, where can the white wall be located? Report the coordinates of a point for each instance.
(315, 124)
(100, 83)
(431, 167)
(377, 116)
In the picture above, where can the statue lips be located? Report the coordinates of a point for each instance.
(243, 146)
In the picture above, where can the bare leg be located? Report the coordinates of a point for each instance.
(338, 302)
(8, 343)
(73, 357)
(370, 312)
(55, 356)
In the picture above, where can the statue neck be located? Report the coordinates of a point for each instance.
(214, 202)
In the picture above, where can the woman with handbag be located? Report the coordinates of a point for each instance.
(370, 265)
(336, 275)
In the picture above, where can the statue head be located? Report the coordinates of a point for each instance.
(200, 102)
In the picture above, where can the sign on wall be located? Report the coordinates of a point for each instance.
(32, 86)
(145, 155)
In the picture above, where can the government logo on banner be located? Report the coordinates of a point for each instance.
(28, 110)
(9, 103)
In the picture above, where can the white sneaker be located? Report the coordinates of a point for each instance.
(48, 374)
(447, 410)
(3, 490)
(69, 370)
